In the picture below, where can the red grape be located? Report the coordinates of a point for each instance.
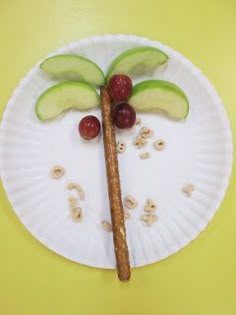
(120, 87)
(89, 127)
(124, 115)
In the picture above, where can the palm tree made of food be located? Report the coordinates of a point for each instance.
(119, 101)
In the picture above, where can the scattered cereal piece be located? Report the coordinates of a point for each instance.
(138, 121)
(106, 226)
(149, 219)
(140, 142)
(78, 188)
(77, 214)
(144, 156)
(127, 215)
(188, 189)
(146, 132)
(130, 202)
(57, 171)
(150, 206)
(159, 145)
(121, 146)
(72, 202)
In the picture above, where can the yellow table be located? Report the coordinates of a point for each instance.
(199, 280)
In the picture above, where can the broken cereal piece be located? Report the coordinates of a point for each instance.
(130, 202)
(188, 189)
(106, 226)
(149, 219)
(150, 206)
(72, 202)
(144, 156)
(127, 215)
(140, 142)
(146, 132)
(77, 214)
(77, 187)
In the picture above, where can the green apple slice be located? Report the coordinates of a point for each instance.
(137, 61)
(155, 95)
(73, 68)
(63, 96)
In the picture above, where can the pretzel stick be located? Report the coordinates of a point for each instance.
(114, 190)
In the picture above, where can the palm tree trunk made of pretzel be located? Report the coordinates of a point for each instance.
(114, 189)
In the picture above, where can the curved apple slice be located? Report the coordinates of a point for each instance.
(63, 96)
(73, 68)
(155, 95)
(137, 61)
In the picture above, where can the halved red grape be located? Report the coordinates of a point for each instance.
(89, 127)
(120, 87)
(124, 115)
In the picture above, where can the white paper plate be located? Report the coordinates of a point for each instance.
(199, 151)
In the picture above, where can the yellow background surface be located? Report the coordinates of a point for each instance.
(199, 280)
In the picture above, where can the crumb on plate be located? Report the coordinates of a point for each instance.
(127, 214)
(149, 219)
(188, 189)
(77, 214)
(144, 156)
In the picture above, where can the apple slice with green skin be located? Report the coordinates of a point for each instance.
(137, 61)
(73, 68)
(64, 96)
(155, 95)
